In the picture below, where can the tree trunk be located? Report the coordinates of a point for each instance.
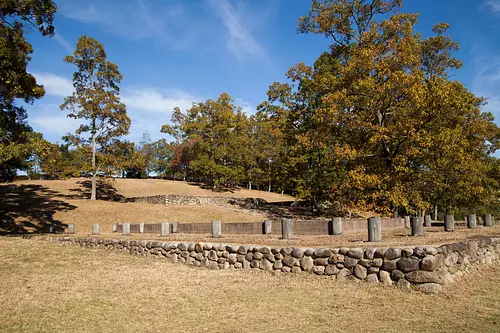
(435, 211)
(94, 173)
(269, 189)
(250, 185)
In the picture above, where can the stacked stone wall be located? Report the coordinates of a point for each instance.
(426, 268)
(173, 199)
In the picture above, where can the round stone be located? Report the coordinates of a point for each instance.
(322, 253)
(392, 253)
(355, 253)
(397, 275)
(331, 270)
(360, 272)
(350, 262)
(372, 278)
(406, 265)
(298, 252)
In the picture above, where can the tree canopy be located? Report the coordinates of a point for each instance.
(96, 99)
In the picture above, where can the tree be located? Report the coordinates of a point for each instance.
(17, 142)
(214, 132)
(96, 99)
(368, 119)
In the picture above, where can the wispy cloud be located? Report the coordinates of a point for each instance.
(54, 85)
(493, 5)
(64, 43)
(150, 99)
(240, 40)
(135, 20)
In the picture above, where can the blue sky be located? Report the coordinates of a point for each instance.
(173, 52)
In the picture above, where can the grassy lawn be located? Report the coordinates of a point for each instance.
(52, 288)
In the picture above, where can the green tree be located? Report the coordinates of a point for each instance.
(366, 121)
(17, 142)
(96, 99)
(214, 131)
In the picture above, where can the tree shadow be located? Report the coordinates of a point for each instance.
(30, 209)
(220, 189)
(105, 191)
(279, 209)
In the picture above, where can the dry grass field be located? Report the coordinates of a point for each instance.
(54, 288)
(27, 206)
(79, 187)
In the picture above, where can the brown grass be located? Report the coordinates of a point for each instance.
(148, 187)
(34, 206)
(51, 288)
(107, 213)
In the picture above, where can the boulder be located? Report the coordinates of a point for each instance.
(350, 262)
(392, 253)
(321, 261)
(298, 252)
(289, 261)
(343, 273)
(307, 263)
(322, 253)
(232, 258)
(429, 288)
(372, 278)
(389, 265)
(360, 272)
(243, 249)
(319, 270)
(397, 275)
(355, 253)
(331, 270)
(403, 284)
(266, 265)
(370, 254)
(406, 265)
(385, 278)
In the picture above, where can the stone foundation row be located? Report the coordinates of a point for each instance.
(425, 268)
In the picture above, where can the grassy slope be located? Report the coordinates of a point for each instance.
(147, 187)
(34, 205)
(50, 288)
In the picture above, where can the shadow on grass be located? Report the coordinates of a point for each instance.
(30, 209)
(105, 191)
(219, 189)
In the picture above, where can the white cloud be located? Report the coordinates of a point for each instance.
(246, 107)
(54, 85)
(51, 121)
(136, 20)
(240, 41)
(150, 99)
(493, 5)
(64, 43)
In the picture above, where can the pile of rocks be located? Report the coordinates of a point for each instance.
(427, 268)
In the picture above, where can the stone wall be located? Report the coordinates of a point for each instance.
(300, 227)
(426, 268)
(172, 199)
